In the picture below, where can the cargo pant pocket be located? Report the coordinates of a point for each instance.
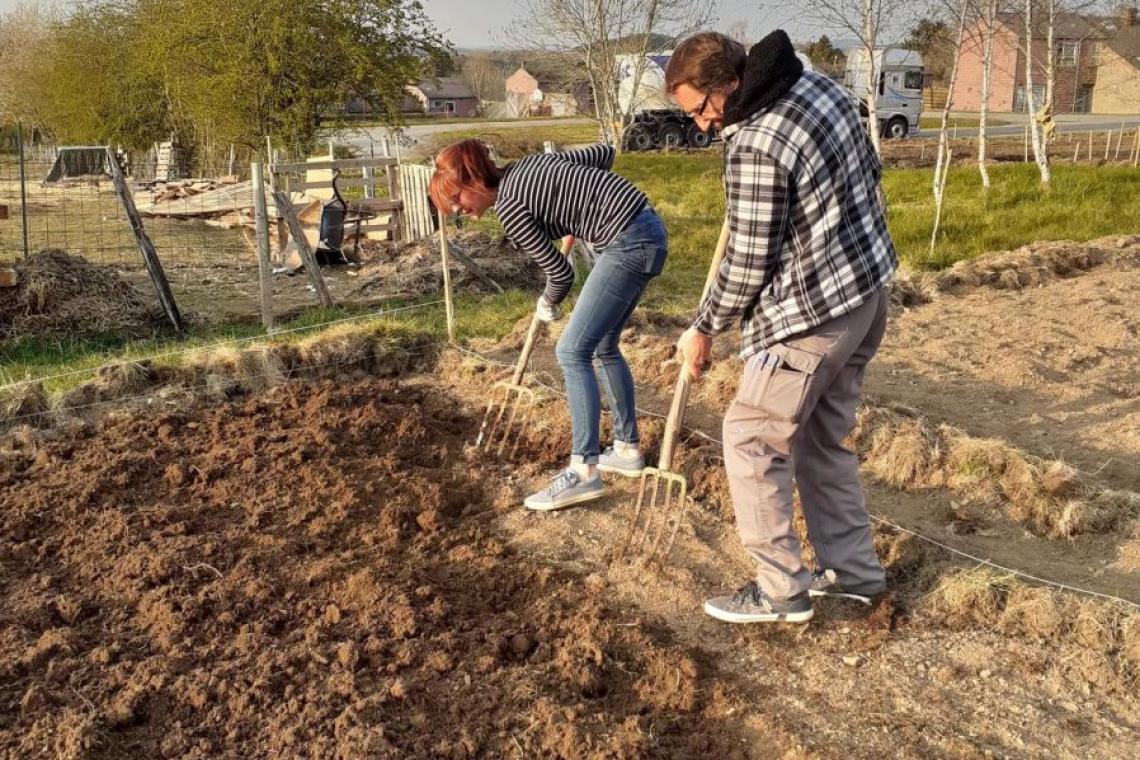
(779, 390)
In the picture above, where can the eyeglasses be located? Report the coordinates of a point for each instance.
(701, 111)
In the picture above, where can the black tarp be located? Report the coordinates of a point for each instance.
(77, 162)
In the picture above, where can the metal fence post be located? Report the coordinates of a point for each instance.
(23, 187)
(261, 214)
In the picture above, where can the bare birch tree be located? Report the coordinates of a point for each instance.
(943, 159)
(989, 28)
(594, 35)
(1035, 128)
(870, 22)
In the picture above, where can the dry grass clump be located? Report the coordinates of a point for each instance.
(974, 595)
(1037, 611)
(113, 382)
(1049, 497)
(900, 448)
(26, 403)
(1029, 266)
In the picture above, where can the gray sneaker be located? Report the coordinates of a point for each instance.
(629, 466)
(826, 583)
(751, 605)
(565, 488)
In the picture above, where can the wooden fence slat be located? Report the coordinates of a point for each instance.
(285, 208)
(146, 246)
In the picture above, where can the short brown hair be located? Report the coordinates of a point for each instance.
(705, 61)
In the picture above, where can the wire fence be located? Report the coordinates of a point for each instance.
(199, 215)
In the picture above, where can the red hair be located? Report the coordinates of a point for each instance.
(459, 166)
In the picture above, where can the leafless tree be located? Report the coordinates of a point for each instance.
(24, 38)
(1040, 155)
(988, 29)
(596, 34)
(484, 76)
(870, 22)
(943, 160)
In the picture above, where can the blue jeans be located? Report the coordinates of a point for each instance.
(620, 274)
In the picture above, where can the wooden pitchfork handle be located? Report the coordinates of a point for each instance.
(676, 416)
(535, 326)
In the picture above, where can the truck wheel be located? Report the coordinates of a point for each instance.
(696, 138)
(638, 137)
(671, 136)
(898, 128)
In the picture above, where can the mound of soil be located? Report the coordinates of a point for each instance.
(309, 573)
(414, 268)
(62, 294)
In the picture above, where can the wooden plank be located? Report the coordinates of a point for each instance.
(340, 163)
(384, 227)
(449, 308)
(342, 182)
(146, 247)
(375, 204)
(264, 270)
(395, 194)
(307, 256)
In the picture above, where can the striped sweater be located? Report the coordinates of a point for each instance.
(547, 196)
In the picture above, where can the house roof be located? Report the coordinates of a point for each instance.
(1126, 44)
(1067, 26)
(446, 87)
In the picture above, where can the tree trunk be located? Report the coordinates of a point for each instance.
(869, 39)
(942, 163)
(987, 70)
(1039, 154)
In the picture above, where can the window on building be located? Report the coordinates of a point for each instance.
(1066, 53)
(1083, 102)
(449, 106)
(1019, 103)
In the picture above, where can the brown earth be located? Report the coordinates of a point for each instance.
(311, 573)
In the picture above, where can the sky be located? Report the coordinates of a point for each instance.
(482, 23)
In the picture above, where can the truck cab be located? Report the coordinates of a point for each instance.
(898, 97)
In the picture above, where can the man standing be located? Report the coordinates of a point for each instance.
(805, 276)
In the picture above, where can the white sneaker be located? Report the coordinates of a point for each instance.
(565, 489)
(629, 463)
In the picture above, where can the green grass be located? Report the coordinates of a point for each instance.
(1085, 202)
(513, 142)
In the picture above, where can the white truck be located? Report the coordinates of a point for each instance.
(657, 122)
(898, 101)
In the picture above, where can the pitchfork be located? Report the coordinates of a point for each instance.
(661, 483)
(512, 403)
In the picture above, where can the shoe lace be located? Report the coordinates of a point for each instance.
(561, 482)
(749, 593)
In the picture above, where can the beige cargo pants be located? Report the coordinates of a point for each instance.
(788, 422)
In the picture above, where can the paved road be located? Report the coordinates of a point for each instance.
(1065, 123)
(364, 138)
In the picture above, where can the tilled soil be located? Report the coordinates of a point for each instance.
(311, 573)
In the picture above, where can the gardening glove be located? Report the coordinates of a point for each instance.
(546, 311)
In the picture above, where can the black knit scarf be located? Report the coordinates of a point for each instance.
(771, 70)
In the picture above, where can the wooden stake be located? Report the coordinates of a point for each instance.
(1027, 143)
(146, 247)
(285, 209)
(1076, 152)
(1107, 143)
(1119, 139)
(261, 217)
(450, 309)
(1090, 145)
(1136, 152)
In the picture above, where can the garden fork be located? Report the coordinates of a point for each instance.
(661, 484)
(512, 404)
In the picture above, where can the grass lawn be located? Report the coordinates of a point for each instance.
(1085, 202)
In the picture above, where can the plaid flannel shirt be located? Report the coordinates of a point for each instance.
(808, 240)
